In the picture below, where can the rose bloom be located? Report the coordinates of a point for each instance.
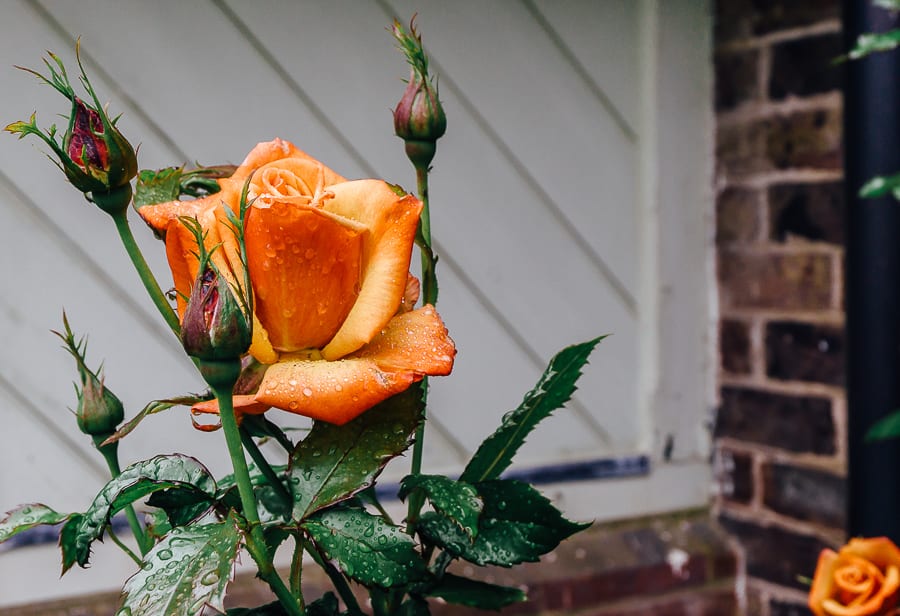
(332, 296)
(862, 579)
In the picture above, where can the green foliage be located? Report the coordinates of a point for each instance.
(552, 390)
(517, 525)
(885, 428)
(135, 482)
(881, 186)
(28, 516)
(415, 606)
(455, 500)
(334, 462)
(157, 186)
(186, 571)
(463, 591)
(874, 42)
(366, 548)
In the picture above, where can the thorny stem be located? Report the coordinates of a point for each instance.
(143, 270)
(221, 377)
(111, 455)
(297, 571)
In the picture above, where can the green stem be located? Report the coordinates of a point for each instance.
(263, 465)
(111, 455)
(125, 548)
(143, 270)
(297, 569)
(429, 296)
(221, 377)
(340, 584)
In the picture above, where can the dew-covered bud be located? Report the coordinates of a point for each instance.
(215, 325)
(419, 117)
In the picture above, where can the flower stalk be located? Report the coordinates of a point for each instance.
(221, 375)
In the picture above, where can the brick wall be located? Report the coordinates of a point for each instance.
(780, 432)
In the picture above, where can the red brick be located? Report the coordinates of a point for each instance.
(805, 493)
(734, 346)
(736, 79)
(775, 419)
(805, 352)
(802, 67)
(812, 211)
(737, 472)
(789, 281)
(776, 554)
(737, 216)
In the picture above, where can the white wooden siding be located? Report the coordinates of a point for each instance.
(547, 198)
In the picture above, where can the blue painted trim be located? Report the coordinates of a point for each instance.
(589, 470)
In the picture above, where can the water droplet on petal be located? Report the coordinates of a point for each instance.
(307, 392)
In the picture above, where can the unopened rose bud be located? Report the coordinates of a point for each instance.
(215, 326)
(93, 154)
(419, 118)
(99, 411)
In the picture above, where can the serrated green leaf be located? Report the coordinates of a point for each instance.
(885, 428)
(365, 547)
(464, 591)
(518, 524)
(457, 500)
(334, 462)
(181, 506)
(552, 390)
(135, 482)
(157, 186)
(28, 516)
(189, 569)
(874, 42)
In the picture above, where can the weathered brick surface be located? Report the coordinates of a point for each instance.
(803, 67)
(800, 140)
(790, 281)
(738, 473)
(776, 554)
(805, 352)
(737, 215)
(805, 494)
(734, 346)
(736, 78)
(741, 19)
(812, 211)
(801, 424)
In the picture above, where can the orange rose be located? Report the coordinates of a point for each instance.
(328, 261)
(862, 579)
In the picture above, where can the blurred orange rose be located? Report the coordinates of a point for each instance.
(328, 261)
(862, 579)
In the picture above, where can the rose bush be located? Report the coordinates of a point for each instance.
(862, 579)
(328, 261)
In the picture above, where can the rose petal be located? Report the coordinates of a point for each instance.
(823, 581)
(305, 270)
(335, 392)
(880, 551)
(414, 341)
(392, 222)
(271, 151)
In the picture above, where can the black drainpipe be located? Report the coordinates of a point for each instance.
(872, 147)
